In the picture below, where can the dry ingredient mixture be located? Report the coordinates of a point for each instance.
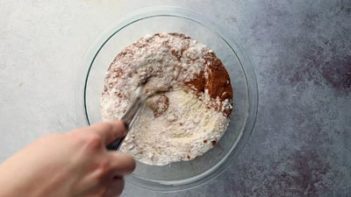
(189, 117)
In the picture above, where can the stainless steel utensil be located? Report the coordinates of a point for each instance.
(132, 111)
(129, 116)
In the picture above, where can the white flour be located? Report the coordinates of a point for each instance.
(178, 125)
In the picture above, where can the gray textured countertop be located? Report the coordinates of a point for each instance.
(301, 51)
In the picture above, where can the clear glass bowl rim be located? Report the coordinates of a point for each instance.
(251, 82)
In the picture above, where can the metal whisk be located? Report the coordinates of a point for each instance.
(132, 111)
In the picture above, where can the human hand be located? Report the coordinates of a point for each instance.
(70, 164)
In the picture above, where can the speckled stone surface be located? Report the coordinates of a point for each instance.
(301, 51)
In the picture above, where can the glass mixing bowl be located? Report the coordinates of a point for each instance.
(187, 174)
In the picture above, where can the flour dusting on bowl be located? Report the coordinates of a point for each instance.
(184, 122)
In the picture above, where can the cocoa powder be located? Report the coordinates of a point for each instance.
(217, 81)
